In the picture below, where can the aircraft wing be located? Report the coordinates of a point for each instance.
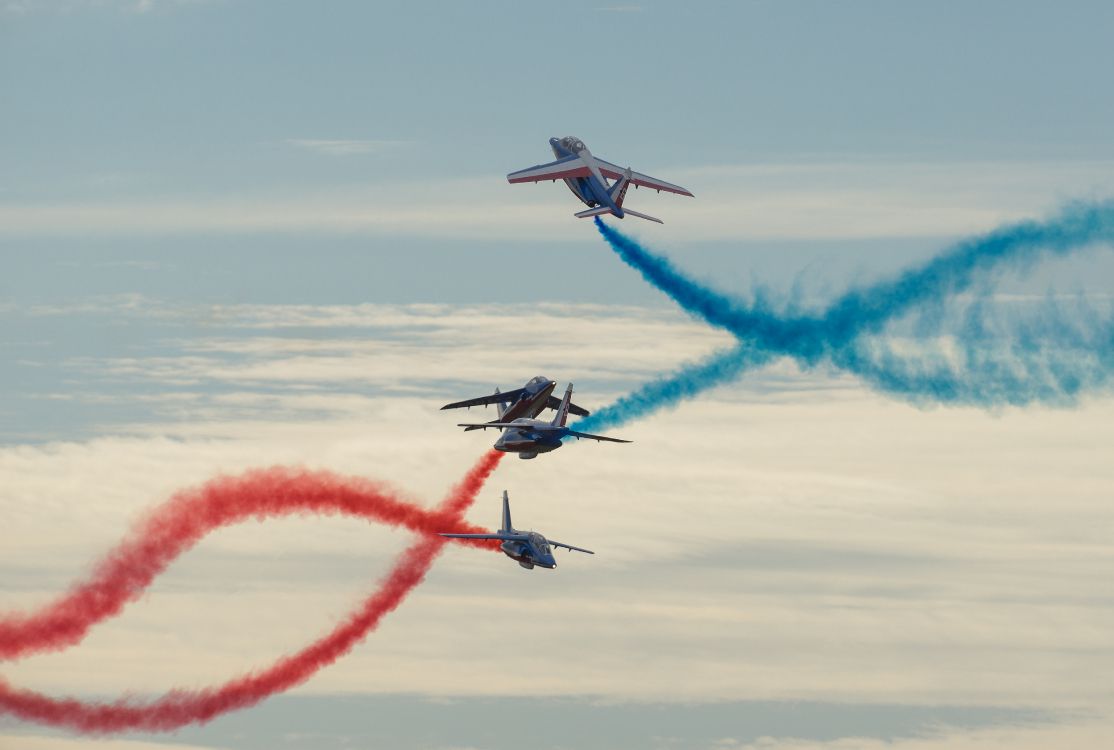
(613, 172)
(485, 425)
(495, 398)
(567, 546)
(562, 169)
(590, 436)
(555, 403)
(540, 429)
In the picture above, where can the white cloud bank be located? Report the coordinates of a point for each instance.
(771, 201)
(819, 543)
(1084, 733)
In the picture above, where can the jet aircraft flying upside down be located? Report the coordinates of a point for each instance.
(529, 437)
(587, 177)
(528, 548)
(528, 401)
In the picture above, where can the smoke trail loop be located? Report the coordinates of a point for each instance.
(178, 708)
(1026, 368)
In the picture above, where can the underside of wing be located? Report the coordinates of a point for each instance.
(569, 546)
(555, 403)
(614, 172)
(495, 398)
(485, 425)
(562, 169)
(590, 436)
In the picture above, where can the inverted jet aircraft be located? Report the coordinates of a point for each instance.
(527, 548)
(529, 437)
(527, 401)
(587, 177)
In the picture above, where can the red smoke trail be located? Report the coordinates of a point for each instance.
(180, 707)
(180, 523)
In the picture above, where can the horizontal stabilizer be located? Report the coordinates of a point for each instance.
(642, 216)
(602, 210)
(597, 211)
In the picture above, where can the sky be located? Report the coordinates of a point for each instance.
(247, 234)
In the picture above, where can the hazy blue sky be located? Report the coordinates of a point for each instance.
(243, 233)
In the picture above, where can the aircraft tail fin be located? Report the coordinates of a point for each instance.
(618, 191)
(597, 211)
(563, 410)
(501, 406)
(507, 527)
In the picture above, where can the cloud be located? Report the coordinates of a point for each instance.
(1094, 732)
(806, 540)
(853, 200)
(399, 347)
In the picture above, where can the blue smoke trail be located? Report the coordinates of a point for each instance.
(1051, 362)
(688, 381)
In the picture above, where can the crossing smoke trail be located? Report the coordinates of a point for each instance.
(1025, 369)
(178, 708)
(180, 523)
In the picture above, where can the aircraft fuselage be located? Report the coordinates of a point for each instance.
(533, 401)
(590, 190)
(535, 551)
(523, 441)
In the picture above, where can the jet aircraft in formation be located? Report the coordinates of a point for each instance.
(528, 437)
(527, 548)
(523, 433)
(587, 177)
(528, 401)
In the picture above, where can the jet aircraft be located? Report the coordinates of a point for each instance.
(587, 176)
(527, 401)
(527, 548)
(529, 437)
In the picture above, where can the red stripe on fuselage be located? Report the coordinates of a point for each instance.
(528, 407)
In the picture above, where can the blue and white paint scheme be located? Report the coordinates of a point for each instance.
(529, 437)
(587, 177)
(528, 401)
(527, 548)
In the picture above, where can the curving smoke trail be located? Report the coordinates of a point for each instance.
(1051, 360)
(1026, 367)
(177, 525)
(682, 384)
(178, 708)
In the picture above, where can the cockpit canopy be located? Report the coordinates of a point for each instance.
(540, 542)
(572, 143)
(539, 380)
